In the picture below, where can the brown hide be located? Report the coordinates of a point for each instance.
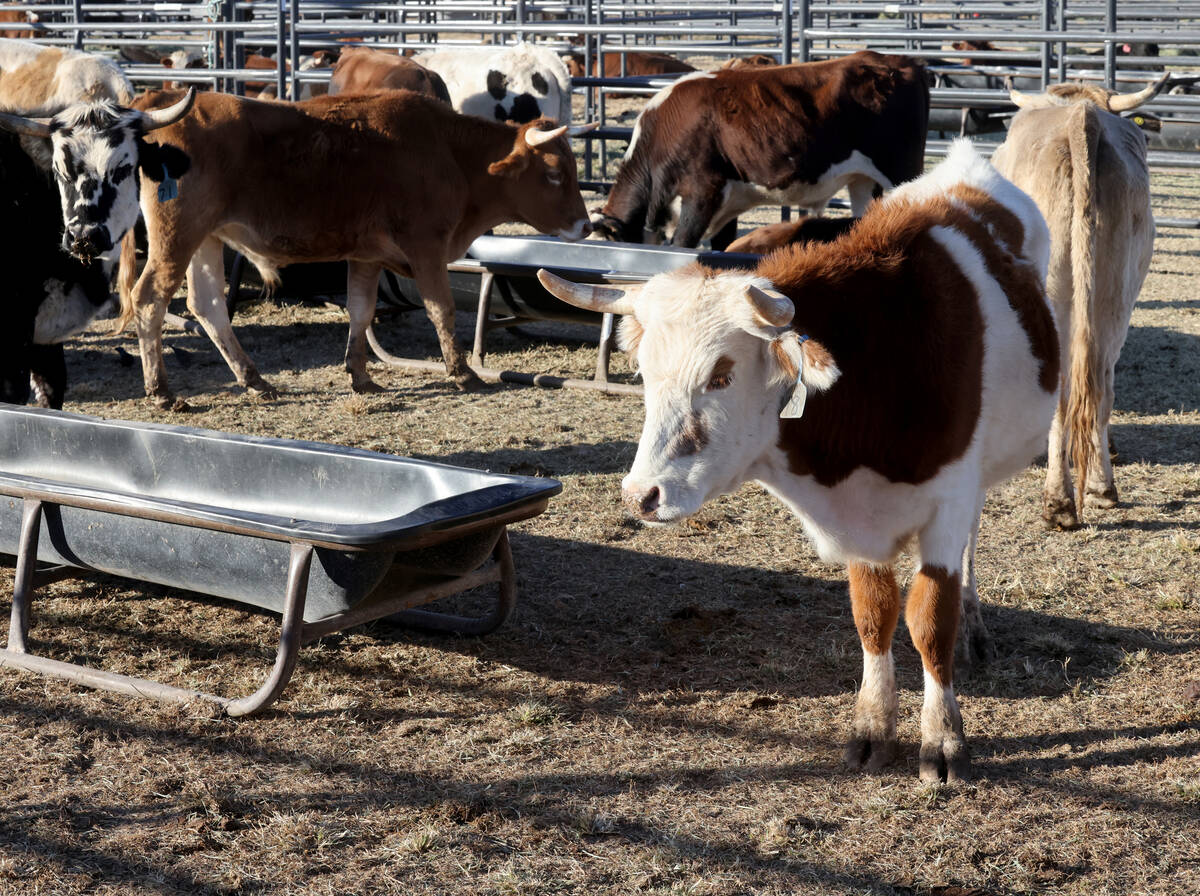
(750, 61)
(636, 64)
(18, 16)
(362, 69)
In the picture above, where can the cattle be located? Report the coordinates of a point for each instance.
(517, 83)
(806, 229)
(1085, 166)
(715, 144)
(57, 281)
(20, 17)
(927, 351)
(636, 64)
(264, 90)
(40, 81)
(362, 69)
(391, 179)
(181, 59)
(756, 59)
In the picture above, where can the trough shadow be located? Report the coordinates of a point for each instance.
(578, 459)
(1155, 443)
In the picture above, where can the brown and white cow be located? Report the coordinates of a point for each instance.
(41, 81)
(268, 90)
(1085, 166)
(391, 179)
(363, 69)
(927, 350)
(715, 144)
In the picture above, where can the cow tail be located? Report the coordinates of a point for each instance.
(126, 277)
(1084, 377)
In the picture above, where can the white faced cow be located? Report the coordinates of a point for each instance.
(1085, 166)
(927, 350)
(517, 83)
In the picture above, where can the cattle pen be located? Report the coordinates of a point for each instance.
(665, 709)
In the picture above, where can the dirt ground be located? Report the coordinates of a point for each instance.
(664, 712)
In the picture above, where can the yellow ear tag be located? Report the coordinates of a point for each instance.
(795, 404)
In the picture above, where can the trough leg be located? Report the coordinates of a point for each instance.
(464, 625)
(481, 317)
(23, 582)
(290, 631)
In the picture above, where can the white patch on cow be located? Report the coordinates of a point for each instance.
(65, 312)
(657, 100)
(875, 713)
(739, 196)
(578, 231)
(78, 77)
(465, 71)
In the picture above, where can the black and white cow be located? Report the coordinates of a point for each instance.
(518, 83)
(78, 167)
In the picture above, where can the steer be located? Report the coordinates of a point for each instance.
(517, 83)
(631, 64)
(38, 80)
(391, 179)
(928, 353)
(715, 144)
(57, 280)
(1085, 166)
(362, 69)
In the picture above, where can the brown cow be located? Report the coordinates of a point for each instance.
(636, 64)
(267, 90)
(22, 17)
(363, 69)
(391, 179)
(757, 59)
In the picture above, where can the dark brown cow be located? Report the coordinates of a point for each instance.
(715, 144)
(391, 179)
(636, 64)
(814, 229)
(362, 69)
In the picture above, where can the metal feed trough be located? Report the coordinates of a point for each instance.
(329, 537)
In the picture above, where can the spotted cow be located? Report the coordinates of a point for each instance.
(877, 386)
(517, 83)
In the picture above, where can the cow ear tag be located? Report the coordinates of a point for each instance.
(169, 188)
(795, 404)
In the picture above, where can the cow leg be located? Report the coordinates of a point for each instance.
(434, 284)
(726, 235)
(150, 296)
(206, 299)
(362, 291)
(1058, 496)
(862, 191)
(695, 216)
(48, 374)
(932, 613)
(974, 644)
(875, 600)
(1101, 486)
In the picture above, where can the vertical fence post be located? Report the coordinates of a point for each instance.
(1062, 45)
(77, 12)
(294, 35)
(280, 46)
(787, 31)
(1110, 45)
(1047, 16)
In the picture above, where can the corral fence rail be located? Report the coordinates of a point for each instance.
(970, 47)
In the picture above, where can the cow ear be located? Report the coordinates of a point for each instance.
(156, 158)
(512, 165)
(798, 355)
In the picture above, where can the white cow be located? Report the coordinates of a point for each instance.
(877, 385)
(517, 83)
(1085, 166)
(41, 81)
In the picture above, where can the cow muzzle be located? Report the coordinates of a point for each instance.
(87, 245)
(642, 501)
(579, 230)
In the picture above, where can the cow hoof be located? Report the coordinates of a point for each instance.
(871, 756)
(1060, 514)
(171, 403)
(1104, 500)
(469, 381)
(947, 762)
(367, 385)
(268, 394)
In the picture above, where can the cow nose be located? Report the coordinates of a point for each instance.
(83, 247)
(642, 502)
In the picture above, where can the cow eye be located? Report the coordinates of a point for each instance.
(554, 177)
(721, 376)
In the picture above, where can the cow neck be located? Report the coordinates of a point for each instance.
(906, 331)
(476, 151)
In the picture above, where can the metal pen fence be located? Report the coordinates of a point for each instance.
(970, 47)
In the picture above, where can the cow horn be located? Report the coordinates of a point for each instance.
(1019, 99)
(1123, 102)
(30, 127)
(771, 305)
(160, 118)
(605, 299)
(581, 129)
(534, 137)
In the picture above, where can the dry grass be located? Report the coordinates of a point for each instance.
(664, 712)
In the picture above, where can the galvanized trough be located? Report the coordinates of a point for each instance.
(327, 536)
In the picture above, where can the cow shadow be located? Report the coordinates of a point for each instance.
(1159, 371)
